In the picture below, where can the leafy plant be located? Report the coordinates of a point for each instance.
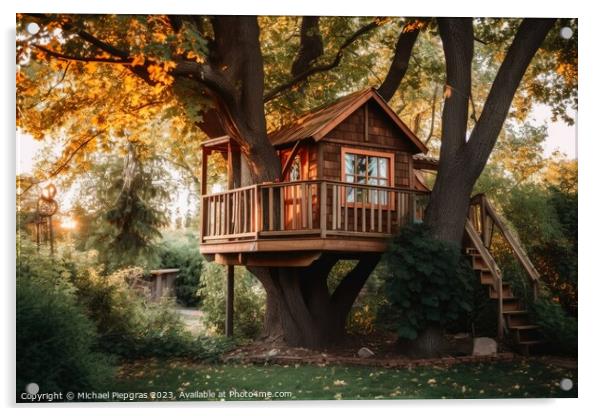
(181, 251)
(57, 344)
(428, 283)
(249, 301)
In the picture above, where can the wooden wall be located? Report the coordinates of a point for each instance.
(383, 136)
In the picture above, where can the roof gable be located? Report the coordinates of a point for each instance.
(319, 122)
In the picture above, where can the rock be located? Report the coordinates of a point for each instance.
(272, 353)
(484, 346)
(365, 353)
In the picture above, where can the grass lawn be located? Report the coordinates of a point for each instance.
(192, 381)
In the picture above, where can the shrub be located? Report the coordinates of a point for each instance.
(428, 283)
(128, 323)
(56, 342)
(182, 252)
(249, 301)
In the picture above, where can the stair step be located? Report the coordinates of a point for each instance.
(518, 312)
(523, 327)
(487, 278)
(531, 342)
(506, 292)
(517, 320)
(478, 263)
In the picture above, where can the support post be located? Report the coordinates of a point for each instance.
(51, 234)
(500, 305)
(229, 300)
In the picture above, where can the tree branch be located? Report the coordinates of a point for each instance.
(276, 91)
(401, 59)
(433, 109)
(310, 47)
(529, 37)
(64, 164)
(458, 46)
(71, 58)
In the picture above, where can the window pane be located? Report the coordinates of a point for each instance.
(361, 165)
(373, 166)
(383, 167)
(349, 178)
(350, 194)
(349, 163)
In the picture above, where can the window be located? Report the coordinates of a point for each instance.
(295, 170)
(367, 168)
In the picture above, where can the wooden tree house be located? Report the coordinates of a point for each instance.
(349, 180)
(351, 177)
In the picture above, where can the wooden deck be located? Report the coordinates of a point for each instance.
(305, 216)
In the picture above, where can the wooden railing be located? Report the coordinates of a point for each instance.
(231, 214)
(320, 207)
(484, 219)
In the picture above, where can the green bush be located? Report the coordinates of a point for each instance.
(557, 327)
(428, 283)
(249, 301)
(128, 323)
(182, 252)
(57, 344)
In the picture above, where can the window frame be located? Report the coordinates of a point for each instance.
(391, 179)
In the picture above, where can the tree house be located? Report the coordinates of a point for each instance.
(350, 178)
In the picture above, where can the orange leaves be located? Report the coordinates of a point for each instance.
(138, 60)
(20, 77)
(160, 72)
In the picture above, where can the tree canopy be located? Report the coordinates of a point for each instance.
(93, 82)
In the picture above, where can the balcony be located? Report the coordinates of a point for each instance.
(303, 219)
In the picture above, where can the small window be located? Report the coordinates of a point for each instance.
(367, 168)
(295, 172)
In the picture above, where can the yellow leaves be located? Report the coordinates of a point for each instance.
(414, 25)
(129, 84)
(91, 67)
(339, 383)
(160, 72)
(98, 120)
(447, 92)
(192, 55)
(138, 60)
(159, 37)
(20, 77)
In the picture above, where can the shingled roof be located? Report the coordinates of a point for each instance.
(318, 122)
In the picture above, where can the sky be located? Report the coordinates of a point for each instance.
(561, 137)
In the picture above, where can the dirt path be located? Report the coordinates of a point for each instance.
(192, 319)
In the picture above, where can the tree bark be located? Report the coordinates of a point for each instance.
(401, 60)
(300, 311)
(462, 160)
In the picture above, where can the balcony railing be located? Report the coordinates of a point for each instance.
(319, 207)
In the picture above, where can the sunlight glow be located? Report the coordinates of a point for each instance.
(68, 223)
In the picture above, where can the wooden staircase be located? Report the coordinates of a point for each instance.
(513, 318)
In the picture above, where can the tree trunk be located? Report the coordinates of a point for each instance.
(462, 160)
(300, 311)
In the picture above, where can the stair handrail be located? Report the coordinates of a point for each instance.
(511, 238)
(476, 240)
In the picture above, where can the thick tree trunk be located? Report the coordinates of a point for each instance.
(462, 160)
(300, 311)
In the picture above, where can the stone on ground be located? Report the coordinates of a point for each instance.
(365, 353)
(484, 346)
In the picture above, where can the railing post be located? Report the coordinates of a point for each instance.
(323, 213)
(257, 210)
(500, 305)
(203, 219)
(412, 207)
